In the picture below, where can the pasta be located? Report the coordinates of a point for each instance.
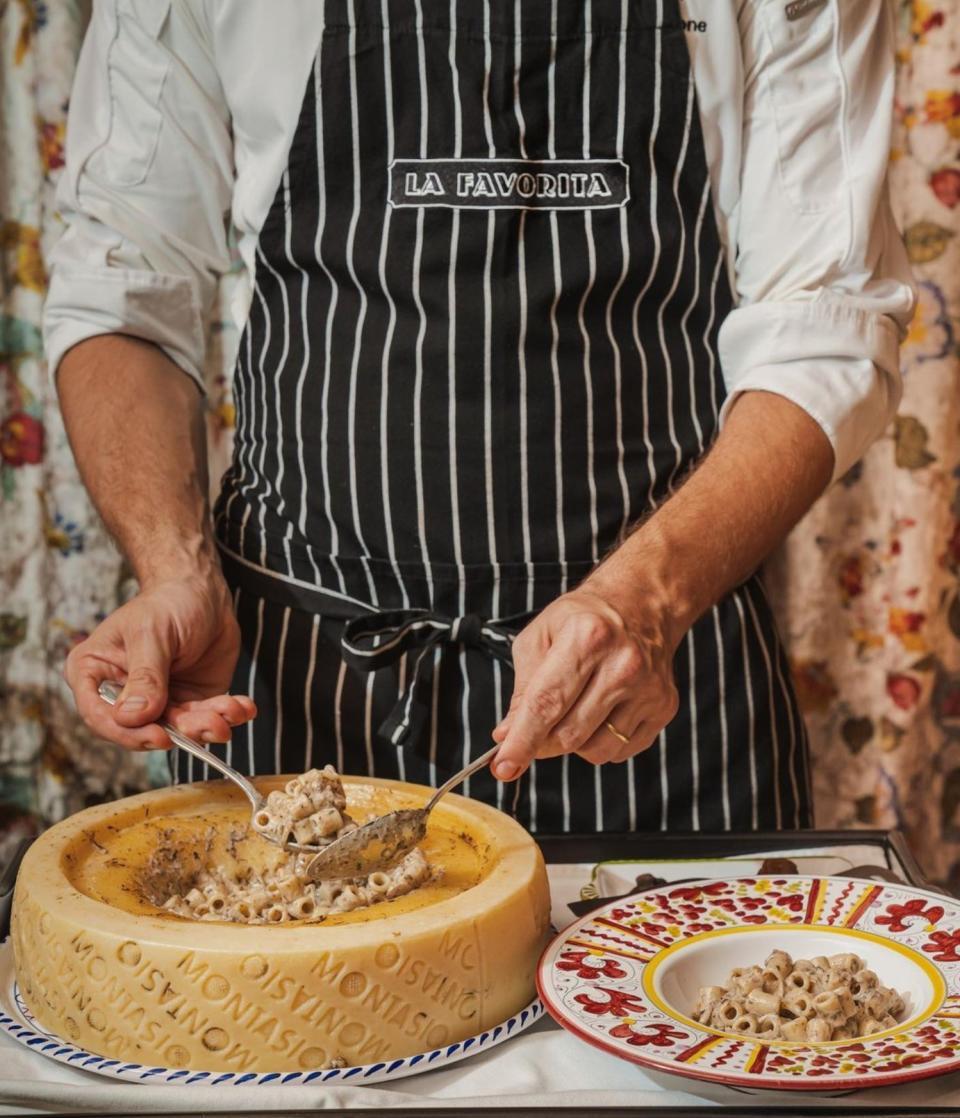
(313, 808)
(310, 809)
(819, 999)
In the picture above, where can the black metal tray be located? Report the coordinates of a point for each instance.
(891, 845)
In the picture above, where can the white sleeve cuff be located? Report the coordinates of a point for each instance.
(86, 303)
(838, 362)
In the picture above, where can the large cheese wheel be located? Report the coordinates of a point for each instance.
(126, 981)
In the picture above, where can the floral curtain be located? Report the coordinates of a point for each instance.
(867, 588)
(59, 573)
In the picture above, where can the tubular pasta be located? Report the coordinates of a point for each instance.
(760, 1002)
(810, 1000)
(309, 808)
(313, 808)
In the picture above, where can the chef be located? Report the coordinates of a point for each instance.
(559, 315)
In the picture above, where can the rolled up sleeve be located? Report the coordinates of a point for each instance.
(824, 286)
(146, 186)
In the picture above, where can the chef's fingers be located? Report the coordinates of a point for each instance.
(527, 652)
(210, 719)
(640, 720)
(552, 690)
(603, 745)
(619, 679)
(234, 709)
(85, 674)
(201, 725)
(144, 695)
(646, 735)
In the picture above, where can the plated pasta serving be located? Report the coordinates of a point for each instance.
(774, 981)
(834, 997)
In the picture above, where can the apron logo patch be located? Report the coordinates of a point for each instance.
(510, 184)
(797, 9)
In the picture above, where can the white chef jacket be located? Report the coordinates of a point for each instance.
(183, 112)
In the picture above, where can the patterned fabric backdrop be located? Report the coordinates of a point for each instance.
(867, 588)
(59, 573)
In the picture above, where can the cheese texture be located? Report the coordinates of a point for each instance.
(101, 965)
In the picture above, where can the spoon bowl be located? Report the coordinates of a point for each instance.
(386, 840)
(376, 845)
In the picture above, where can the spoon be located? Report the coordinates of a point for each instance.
(110, 692)
(384, 841)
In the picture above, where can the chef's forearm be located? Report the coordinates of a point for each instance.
(135, 422)
(769, 464)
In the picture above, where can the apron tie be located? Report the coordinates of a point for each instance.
(375, 641)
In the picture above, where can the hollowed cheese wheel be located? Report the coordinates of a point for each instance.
(155, 989)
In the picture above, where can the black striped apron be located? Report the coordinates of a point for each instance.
(482, 342)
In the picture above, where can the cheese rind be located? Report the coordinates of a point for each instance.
(225, 997)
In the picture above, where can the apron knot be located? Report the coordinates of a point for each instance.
(468, 631)
(374, 641)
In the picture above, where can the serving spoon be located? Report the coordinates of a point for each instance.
(110, 692)
(384, 841)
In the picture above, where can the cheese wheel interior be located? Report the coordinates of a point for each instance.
(113, 865)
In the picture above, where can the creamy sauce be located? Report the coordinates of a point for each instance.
(109, 865)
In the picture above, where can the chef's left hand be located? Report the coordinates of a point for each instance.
(587, 660)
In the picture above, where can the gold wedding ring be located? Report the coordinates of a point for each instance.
(616, 733)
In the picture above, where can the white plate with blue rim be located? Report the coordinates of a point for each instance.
(19, 1023)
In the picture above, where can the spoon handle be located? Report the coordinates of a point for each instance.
(110, 692)
(461, 776)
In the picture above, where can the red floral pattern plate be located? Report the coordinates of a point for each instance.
(624, 977)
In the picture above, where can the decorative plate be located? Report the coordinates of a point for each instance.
(625, 976)
(18, 1022)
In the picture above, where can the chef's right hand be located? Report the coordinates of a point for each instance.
(174, 647)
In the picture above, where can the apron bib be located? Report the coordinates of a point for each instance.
(482, 343)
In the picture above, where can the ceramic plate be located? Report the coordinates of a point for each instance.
(18, 1022)
(625, 976)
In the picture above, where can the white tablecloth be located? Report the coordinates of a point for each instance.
(544, 1067)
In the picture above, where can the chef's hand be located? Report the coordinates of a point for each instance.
(581, 663)
(174, 646)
